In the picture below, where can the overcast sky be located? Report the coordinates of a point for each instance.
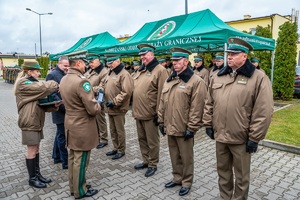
(74, 19)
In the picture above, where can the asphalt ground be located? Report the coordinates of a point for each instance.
(275, 174)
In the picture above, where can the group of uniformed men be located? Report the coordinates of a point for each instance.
(234, 103)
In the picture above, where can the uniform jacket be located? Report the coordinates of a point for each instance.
(58, 117)
(182, 103)
(96, 77)
(118, 88)
(203, 73)
(28, 91)
(239, 105)
(81, 109)
(148, 84)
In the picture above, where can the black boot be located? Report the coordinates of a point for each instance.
(33, 179)
(38, 173)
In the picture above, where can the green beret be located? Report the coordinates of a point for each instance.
(237, 45)
(31, 64)
(145, 48)
(253, 60)
(179, 53)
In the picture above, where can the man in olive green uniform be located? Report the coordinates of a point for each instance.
(179, 115)
(237, 115)
(80, 124)
(200, 69)
(118, 89)
(163, 63)
(96, 75)
(148, 83)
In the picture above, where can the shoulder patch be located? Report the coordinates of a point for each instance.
(86, 86)
(27, 82)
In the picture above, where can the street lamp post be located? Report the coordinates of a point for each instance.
(40, 26)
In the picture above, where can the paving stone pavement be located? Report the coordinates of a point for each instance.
(274, 174)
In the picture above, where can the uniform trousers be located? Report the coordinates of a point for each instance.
(182, 158)
(149, 141)
(117, 132)
(102, 126)
(77, 166)
(232, 159)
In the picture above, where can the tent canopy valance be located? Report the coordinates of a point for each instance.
(102, 40)
(200, 31)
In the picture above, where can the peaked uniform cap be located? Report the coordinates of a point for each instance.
(197, 59)
(145, 48)
(179, 53)
(254, 60)
(162, 60)
(91, 56)
(111, 58)
(31, 64)
(237, 45)
(77, 55)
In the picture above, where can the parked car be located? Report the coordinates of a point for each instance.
(297, 83)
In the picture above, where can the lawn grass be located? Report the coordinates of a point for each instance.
(285, 125)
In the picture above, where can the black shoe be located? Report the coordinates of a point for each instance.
(118, 155)
(87, 187)
(65, 167)
(140, 166)
(171, 184)
(183, 191)
(101, 145)
(90, 192)
(111, 153)
(150, 171)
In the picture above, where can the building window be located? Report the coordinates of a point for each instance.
(252, 31)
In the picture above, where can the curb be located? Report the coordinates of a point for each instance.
(281, 146)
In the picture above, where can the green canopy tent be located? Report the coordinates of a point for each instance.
(102, 40)
(200, 31)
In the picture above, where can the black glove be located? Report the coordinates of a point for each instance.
(110, 104)
(162, 129)
(188, 134)
(155, 119)
(174, 74)
(210, 133)
(251, 146)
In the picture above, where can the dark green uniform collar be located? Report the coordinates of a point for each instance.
(247, 70)
(200, 68)
(218, 68)
(99, 68)
(118, 69)
(32, 79)
(151, 65)
(186, 74)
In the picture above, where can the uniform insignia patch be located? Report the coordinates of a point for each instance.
(28, 82)
(242, 81)
(87, 86)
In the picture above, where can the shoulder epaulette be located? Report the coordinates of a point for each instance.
(81, 76)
